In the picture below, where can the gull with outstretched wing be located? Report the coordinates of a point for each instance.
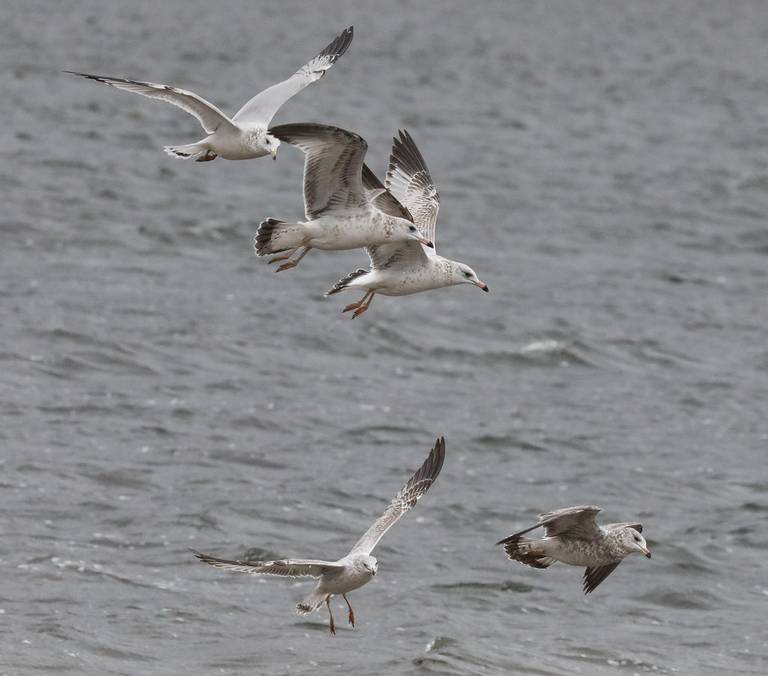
(403, 268)
(572, 535)
(340, 212)
(246, 135)
(356, 568)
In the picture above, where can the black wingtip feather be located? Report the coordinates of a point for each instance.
(339, 45)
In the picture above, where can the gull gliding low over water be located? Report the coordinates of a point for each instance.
(571, 535)
(341, 214)
(356, 568)
(245, 136)
(403, 268)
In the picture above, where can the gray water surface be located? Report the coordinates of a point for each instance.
(603, 166)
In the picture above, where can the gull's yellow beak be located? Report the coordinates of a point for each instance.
(647, 552)
(274, 153)
(483, 286)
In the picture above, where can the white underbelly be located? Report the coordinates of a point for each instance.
(235, 146)
(331, 234)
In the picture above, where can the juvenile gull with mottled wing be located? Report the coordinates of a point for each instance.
(571, 535)
(403, 268)
(245, 136)
(356, 568)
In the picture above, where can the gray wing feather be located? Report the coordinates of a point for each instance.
(283, 568)
(209, 116)
(594, 576)
(405, 500)
(262, 108)
(389, 255)
(381, 198)
(409, 180)
(570, 521)
(333, 166)
(574, 521)
(393, 256)
(624, 524)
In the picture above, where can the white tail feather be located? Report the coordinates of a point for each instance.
(274, 236)
(193, 151)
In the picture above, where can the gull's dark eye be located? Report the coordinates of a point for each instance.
(467, 274)
(412, 228)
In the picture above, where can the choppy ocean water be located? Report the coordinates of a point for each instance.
(603, 167)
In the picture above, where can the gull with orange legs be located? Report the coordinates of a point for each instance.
(400, 269)
(358, 567)
(340, 213)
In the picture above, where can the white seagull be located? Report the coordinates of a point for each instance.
(404, 268)
(244, 136)
(572, 536)
(356, 568)
(341, 214)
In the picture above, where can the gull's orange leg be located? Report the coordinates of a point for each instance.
(291, 263)
(284, 257)
(354, 306)
(328, 605)
(364, 307)
(351, 616)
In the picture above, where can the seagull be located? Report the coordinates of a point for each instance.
(244, 136)
(403, 268)
(356, 568)
(340, 213)
(572, 536)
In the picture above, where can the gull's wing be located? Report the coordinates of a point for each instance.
(209, 116)
(383, 256)
(405, 500)
(624, 524)
(381, 198)
(571, 522)
(262, 108)
(333, 166)
(409, 180)
(386, 257)
(594, 576)
(284, 567)
(400, 255)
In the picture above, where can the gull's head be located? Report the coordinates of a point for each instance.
(369, 564)
(406, 231)
(271, 143)
(463, 274)
(634, 543)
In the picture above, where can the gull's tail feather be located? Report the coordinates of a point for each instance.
(193, 151)
(274, 236)
(311, 603)
(344, 282)
(525, 550)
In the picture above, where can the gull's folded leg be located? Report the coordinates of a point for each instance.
(351, 616)
(284, 257)
(328, 605)
(354, 306)
(292, 263)
(365, 306)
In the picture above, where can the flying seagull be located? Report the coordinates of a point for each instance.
(356, 568)
(572, 536)
(403, 268)
(244, 136)
(340, 213)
